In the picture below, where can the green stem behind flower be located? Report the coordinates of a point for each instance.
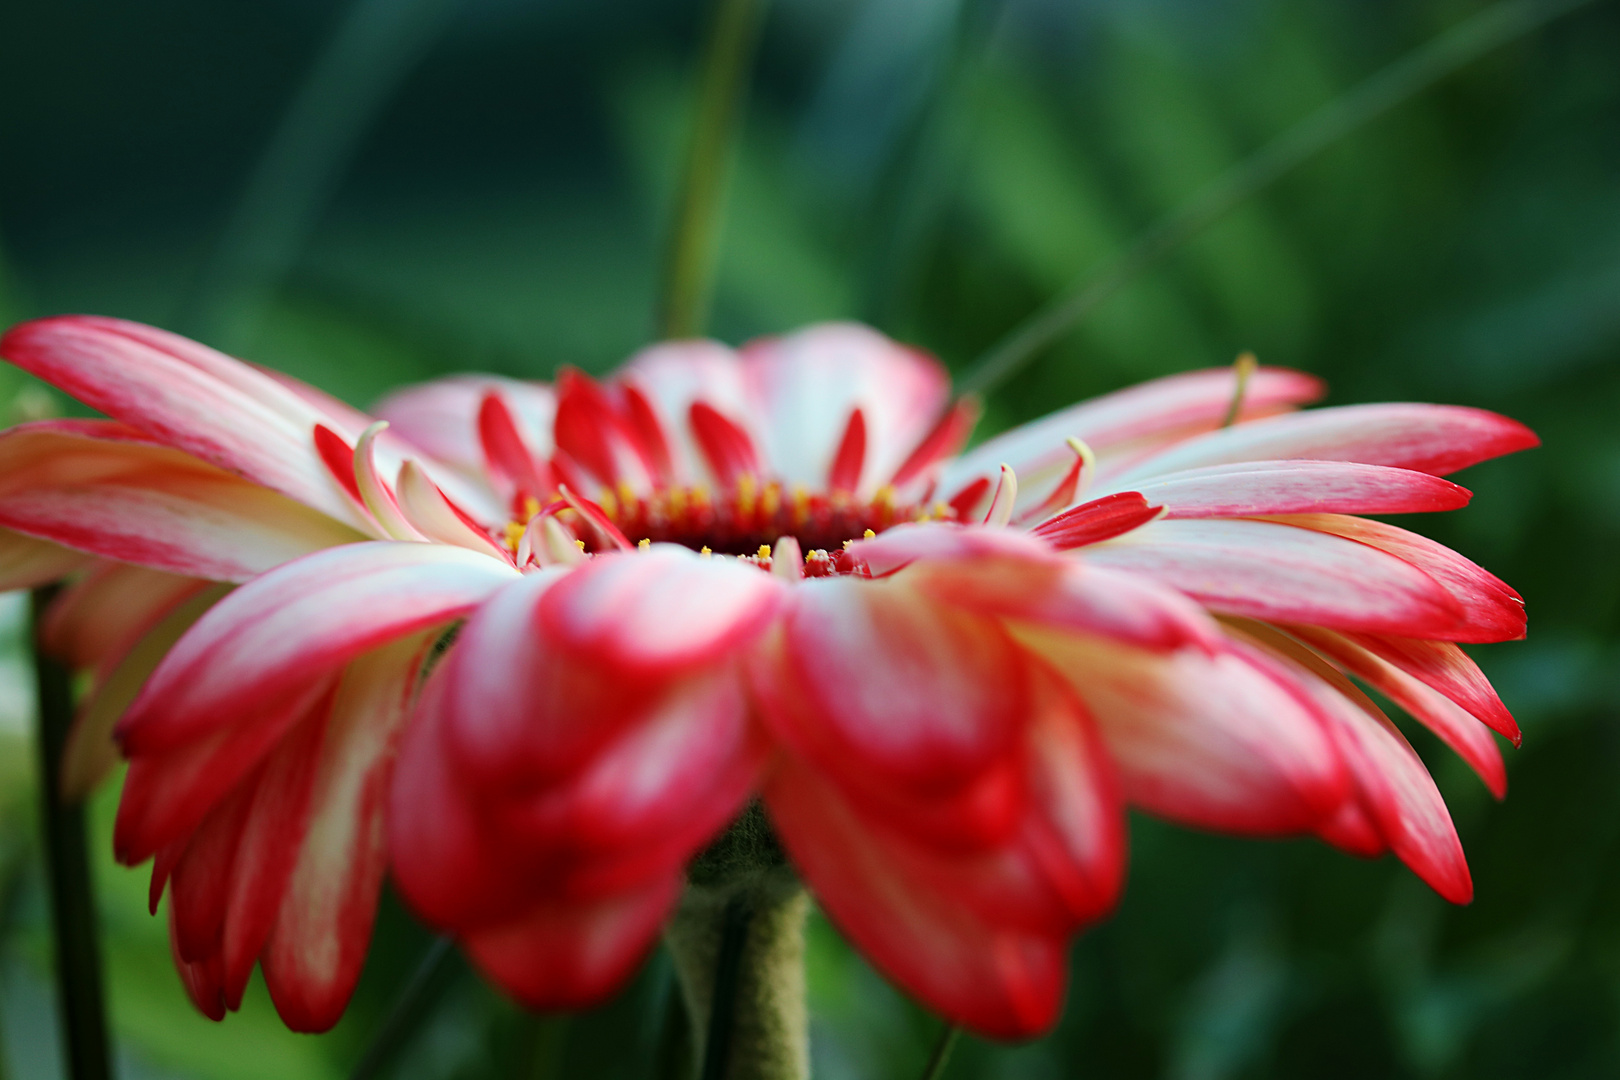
(689, 269)
(73, 907)
(1418, 70)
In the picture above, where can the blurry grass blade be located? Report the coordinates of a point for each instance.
(689, 270)
(375, 46)
(73, 907)
(1418, 70)
(941, 1054)
(408, 1010)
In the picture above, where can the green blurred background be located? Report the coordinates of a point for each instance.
(370, 193)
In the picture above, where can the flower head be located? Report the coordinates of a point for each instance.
(717, 576)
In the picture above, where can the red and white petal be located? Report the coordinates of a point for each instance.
(881, 891)
(90, 754)
(96, 620)
(881, 686)
(1492, 611)
(274, 636)
(1123, 426)
(1250, 488)
(1436, 439)
(1446, 668)
(675, 375)
(1397, 794)
(805, 385)
(201, 879)
(167, 794)
(186, 396)
(434, 516)
(1469, 737)
(1205, 740)
(662, 609)
(27, 562)
(441, 417)
(318, 943)
(571, 955)
(1274, 571)
(1014, 575)
(90, 485)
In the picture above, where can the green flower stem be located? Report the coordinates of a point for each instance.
(408, 1010)
(73, 908)
(738, 944)
(941, 1053)
(1417, 71)
(689, 268)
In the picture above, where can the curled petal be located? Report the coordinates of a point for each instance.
(271, 638)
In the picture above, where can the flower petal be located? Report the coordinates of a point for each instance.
(1470, 738)
(90, 486)
(315, 950)
(563, 955)
(1249, 488)
(804, 386)
(1446, 668)
(1205, 740)
(881, 891)
(96, 620)
(267, 641)
(674, 375)
(187, 396)
(441, 417)
(1267, 570)
(1491, 610)
(1122, 426)
(26, 562)
(1436, 439)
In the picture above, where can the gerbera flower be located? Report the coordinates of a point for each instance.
(944, 676)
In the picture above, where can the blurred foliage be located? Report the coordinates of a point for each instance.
(491, 190)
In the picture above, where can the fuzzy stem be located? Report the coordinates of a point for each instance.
(738, 945)
(73, 907)
(689, 270)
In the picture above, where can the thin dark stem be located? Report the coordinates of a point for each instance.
(674, 1047)
(723, 1006)
(689, 269)
(73, 906)
(407, 1009)
(1418, 70)
(941, 1052)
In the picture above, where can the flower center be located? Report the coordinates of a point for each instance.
(745, 516)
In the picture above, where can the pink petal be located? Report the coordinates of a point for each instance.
(1471, 739)
(441, 417)
(1436, 439)
(1397, 793)
(318, 944)
(1001, 572)
(563, 955)
(942, 442)
(804, 385)
(1491, 610)
(659, 609)
(887, 689)
(591, 431)
(1272, 571)
(672, 376)
(434, 516)
(90, 753)
(1446, 668)
(26, 562)
(1123, 425)
(186, 396)
(845, 472)
(88, 487)
(97, 619)
(1205, 740)
(1299, 487)
(201, 878)
(270, 639)
(998, 980)
(165, 795)
(1098, 520)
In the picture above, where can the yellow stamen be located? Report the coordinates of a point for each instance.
(868, 534)
(1244, 368)
(706, 552)
(644, 543)
(531, 507)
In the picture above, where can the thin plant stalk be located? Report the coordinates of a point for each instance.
(941, 1054)
(1417, 71)
(73, 907)
(694, 245)
(408, 1009)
